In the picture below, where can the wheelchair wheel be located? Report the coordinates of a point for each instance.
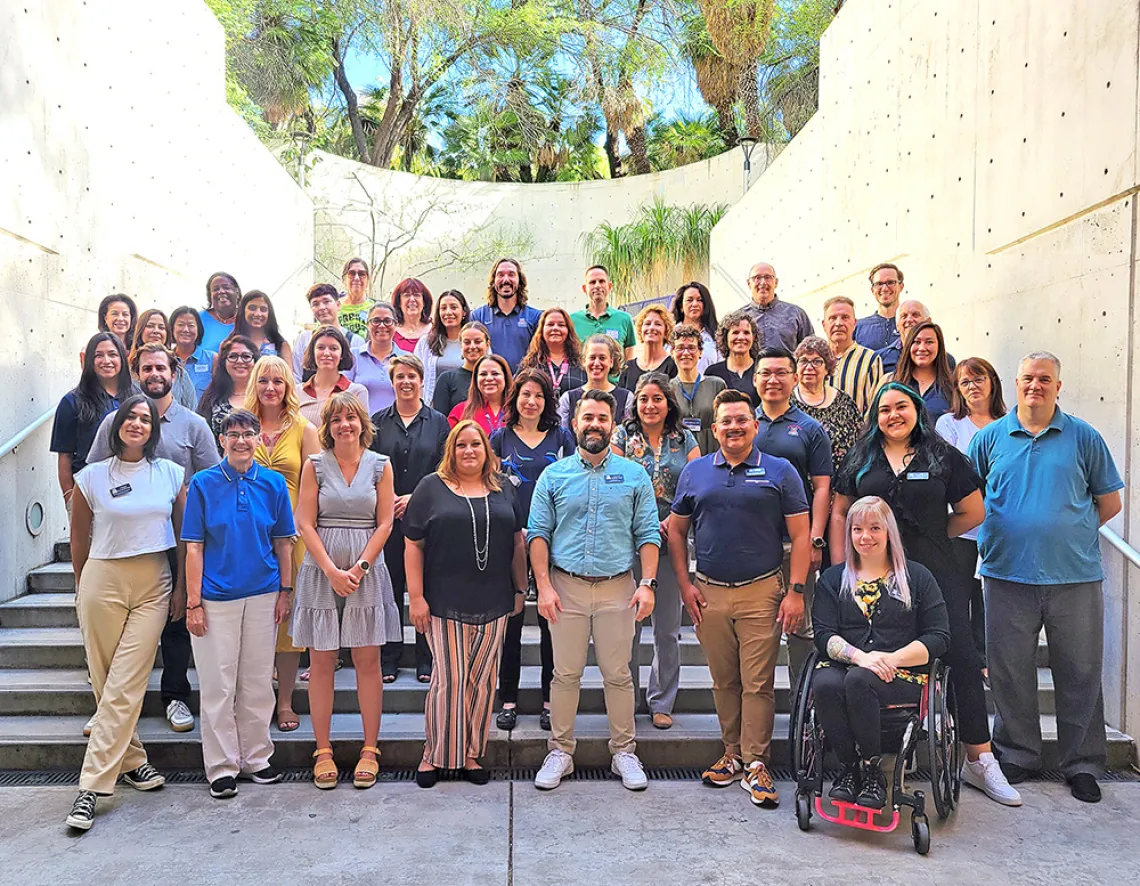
(920, 834)
(807, 745)
(942, 738)
(803, 810)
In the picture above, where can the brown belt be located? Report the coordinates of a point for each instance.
(735, 584)
(592, 579)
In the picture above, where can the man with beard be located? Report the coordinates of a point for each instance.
(223, 295)
(186, 440)
(591, 514)
(740, 503)
(511, 321)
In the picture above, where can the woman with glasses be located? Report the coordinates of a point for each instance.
(693, 305)
(816, 396)
(227, 389)
(355, 304)
(371, 366)
(695, 392)
(329, 356)
(257, 321)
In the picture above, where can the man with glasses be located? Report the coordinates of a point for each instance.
(324, 302)
(510, 320)
(186, 440)
(741, 503)
(780, 323)
(879, 330)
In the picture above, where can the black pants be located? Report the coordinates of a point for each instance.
(390, 653)
(175, 645)
(967, 551)
(510, 664)
(965, 662)
(849, 703)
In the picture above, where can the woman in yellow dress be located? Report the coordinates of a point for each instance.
(287, 440)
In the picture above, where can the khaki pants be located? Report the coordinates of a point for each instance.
(741, 640)
(122, 607)
(235, 680)
(600, 610)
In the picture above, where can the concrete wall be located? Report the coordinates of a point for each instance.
(123, 170)
(449, 232)
(991, 150)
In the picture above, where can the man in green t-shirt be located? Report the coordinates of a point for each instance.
(599, 317)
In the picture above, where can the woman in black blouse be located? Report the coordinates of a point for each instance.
(466, 568)
(935, 495)
(654, 327)
(556, 351)
(737, 337)
(877, 617)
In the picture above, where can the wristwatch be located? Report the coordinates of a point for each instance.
(364, 566)
(650, 583)
(798, 587)
(285, 590)
(817, 542)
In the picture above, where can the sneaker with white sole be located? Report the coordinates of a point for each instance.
(144, 778)
(82, 811)
(556, 766)
(985, 774)
(224, 787)
(724, 771)
(88, 726)
(268, 775)
(179, 717)
(628, 767)
(758, 782)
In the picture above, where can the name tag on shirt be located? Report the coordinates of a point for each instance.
(755, 472)
(691, 424)
(757, 481)
(613, 479)
(120, 491)
(201, 367)
(918, 475)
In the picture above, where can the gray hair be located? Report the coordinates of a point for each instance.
(925, 309)
(1042, 355)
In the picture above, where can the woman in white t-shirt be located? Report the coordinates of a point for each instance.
(977, 401)
(126, 514)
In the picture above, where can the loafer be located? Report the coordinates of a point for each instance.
(1084, 787)
(427, 778)
(507, 719)
(477, 776)
(662, 721)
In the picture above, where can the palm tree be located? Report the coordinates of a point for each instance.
(684, 141)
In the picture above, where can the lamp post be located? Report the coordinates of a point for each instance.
(301, 139)
(747, 145)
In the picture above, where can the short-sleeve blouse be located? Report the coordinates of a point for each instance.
(664, 467)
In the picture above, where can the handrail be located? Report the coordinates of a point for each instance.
(1130, 553)
(716, 266)
(11, 444)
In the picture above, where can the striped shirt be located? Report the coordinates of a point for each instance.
(858, 373)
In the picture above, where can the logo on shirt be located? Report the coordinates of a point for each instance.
(614, 334)
(793, 430)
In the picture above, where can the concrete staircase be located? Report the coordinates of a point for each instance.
(45, 700)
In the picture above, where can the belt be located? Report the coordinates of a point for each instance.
(592, 579)
(735, 584)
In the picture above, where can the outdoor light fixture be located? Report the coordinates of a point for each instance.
(302, 137)
(747, 145)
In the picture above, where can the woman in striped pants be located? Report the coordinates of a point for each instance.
(466, 573)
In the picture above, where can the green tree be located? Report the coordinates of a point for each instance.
(684, 141)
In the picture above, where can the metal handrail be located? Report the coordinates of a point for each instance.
(740, 290)
(15, 441)
(1130, 553)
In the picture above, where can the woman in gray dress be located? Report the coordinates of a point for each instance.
(344, 593)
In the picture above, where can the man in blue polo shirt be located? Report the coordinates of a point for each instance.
(238, 528)
(1050, 485)
(511, 321)
(786, 431)
(740, 503)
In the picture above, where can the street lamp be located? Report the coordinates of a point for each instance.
(301, 138)
(747, 145)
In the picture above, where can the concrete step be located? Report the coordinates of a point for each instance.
(57, 743)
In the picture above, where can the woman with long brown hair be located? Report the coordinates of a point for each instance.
(925, 368)
(556, 351)
(487, 398)
(440, 349)
(227, 389)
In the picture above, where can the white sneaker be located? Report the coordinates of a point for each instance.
(985, 774)
(88, 726)
(556, 766)
(179, 716)
(629, 768)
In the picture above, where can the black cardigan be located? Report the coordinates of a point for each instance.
(893, 627)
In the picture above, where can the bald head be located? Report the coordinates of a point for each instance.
(762, 283)
(911, 313)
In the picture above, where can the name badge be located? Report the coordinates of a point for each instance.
(755, 472)
(613, 479)
(691, 424)
(201, 367)
(120, 491)
(522, 323)
(918, 475)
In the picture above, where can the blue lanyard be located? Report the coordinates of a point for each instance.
(696, 385)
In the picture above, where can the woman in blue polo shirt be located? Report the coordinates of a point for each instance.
(239, 533)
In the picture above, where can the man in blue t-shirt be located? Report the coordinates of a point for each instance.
(1050, 485)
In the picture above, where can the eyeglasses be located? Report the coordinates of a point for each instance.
(239, 358)
(357, 274)
(761, 278)
(812, 363)
(967, 383)
(686, 349)
(382, 321)
(884, 284)
(780, 374)
(240, 435)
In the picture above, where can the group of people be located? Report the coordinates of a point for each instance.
(861, 493)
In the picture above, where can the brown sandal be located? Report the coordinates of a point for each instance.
(364, 776)
(325, 773)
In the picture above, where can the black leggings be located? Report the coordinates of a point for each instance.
(967, 550)
(510, 665)
(849, 702)
(965, 663)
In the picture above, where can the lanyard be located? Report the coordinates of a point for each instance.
(557, 377)
(685, 394)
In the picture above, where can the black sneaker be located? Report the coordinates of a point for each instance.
(507, 719)
(223, 787)
(82, 811)
(268, 775)
(144, 778)
(873, 794)
(1084, 787)
(1013, 773)
(544, 720)
(847, 785)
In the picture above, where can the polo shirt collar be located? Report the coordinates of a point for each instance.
(372, 358)
(1056, 423)
(495, 309)
(342, 384)
(601, 316)
(752, 460)
(199, 355)
(250, 475)
(792, 413)
(171, 412)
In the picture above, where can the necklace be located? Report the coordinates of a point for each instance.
(804, 400)
(480, 555)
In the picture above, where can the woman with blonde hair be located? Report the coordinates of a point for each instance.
(461, 593)
(285, 441)
(344, 593)
(654, 326)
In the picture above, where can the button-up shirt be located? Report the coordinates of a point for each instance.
(781, 324)
(199, 367)
(858, 373)
(184, 438)
(875, 332)
(1042, 522)
(595, 519)
(415, 450)
(372, 372)
(510, 333)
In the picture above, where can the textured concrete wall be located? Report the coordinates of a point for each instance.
(450, 232)
(991, 150)
(122, 170)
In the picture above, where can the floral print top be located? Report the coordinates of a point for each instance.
(664, 467)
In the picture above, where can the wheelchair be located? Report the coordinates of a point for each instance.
(931, 722)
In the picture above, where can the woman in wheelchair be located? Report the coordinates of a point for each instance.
(879, 618)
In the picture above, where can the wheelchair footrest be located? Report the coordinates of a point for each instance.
(856, 816)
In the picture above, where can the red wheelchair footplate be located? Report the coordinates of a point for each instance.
(856, 816)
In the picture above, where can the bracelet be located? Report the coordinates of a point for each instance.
(195, 606)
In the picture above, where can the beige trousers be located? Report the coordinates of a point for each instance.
(122, 607)
(599, 610)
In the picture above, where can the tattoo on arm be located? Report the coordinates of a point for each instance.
(840, 650)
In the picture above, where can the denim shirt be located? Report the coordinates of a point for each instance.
(594, 518)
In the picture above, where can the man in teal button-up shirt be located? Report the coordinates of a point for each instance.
(590, 515)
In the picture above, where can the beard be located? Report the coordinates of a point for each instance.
(156, 388)
(593, 441)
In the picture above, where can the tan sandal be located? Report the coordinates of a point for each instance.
(364, 776)
(325, 773)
